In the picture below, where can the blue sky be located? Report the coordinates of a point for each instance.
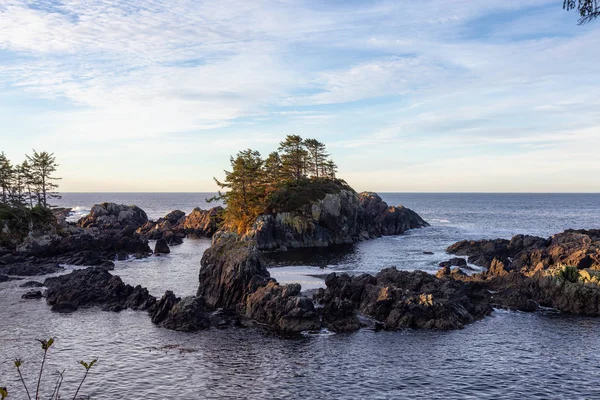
(449, 95)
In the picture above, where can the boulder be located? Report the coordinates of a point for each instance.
(169, 227)
(96, 287)
(161, 247)
(31, 284)
(454, 262)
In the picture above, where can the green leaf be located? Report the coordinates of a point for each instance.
(18, 362)
(46, 344)
(3, 392)
(88, 366)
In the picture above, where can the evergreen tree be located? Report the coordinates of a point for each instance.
(17, 187)
(42, 166)
(272, 169)
(329, 169)
(293, 157)
(6, 172)
(317, 157)
(245, 191)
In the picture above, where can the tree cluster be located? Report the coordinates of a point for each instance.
(253, 180)
(29, 184)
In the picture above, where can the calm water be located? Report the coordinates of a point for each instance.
(509, 355)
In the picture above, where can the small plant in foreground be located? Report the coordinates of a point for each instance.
(46, 344)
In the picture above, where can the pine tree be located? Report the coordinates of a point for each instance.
(245, 190)
(272, 169)
(6, 173)
(329, 169)
(317, 156)
(293, 157)
(17, 187)
(42, 166)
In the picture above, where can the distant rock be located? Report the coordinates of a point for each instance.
(114, 216)
(169, 227)
(579, 248)
(331, 214)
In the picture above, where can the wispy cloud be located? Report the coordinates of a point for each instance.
(380, 81)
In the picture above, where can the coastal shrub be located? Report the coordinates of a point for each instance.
(46, 345)
(565, 273)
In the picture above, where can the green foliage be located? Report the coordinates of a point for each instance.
(292, 196)
(299, 173)
(20, 221)
(46, 344)
(588, 9)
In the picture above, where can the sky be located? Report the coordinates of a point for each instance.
(428, 96)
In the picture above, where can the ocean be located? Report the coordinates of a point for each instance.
(509, 355)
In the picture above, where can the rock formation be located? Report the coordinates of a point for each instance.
(401, 299)
(339, 216)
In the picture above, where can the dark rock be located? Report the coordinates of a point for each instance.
(401, 299)
(31, 268)
(454, 262)
(163, 307)
(29, 284)
(232, 277)
(64, 308)
(428, 252)
(96, 287)
(32, 294)
(4, 278)
(114, 216)
(531, 253)
(161, 247)
(188, 315)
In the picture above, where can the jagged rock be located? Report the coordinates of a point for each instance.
(161, 247)
(163, 307)
(32, 294)
(96, 287)
(64, 308)
(233, 278)
(4, 278)
(401, 299)
(399, 219)
(579, 248)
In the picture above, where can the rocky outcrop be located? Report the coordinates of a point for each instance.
(203, 223)
(378, 219)
(524, 253)
(169, 227)
(114, 216)
(233, 278)
(401, 299)
(339, 216)
(95, 287)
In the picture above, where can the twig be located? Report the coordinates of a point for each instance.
(18, 363)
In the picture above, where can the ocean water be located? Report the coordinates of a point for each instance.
(509, 355)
